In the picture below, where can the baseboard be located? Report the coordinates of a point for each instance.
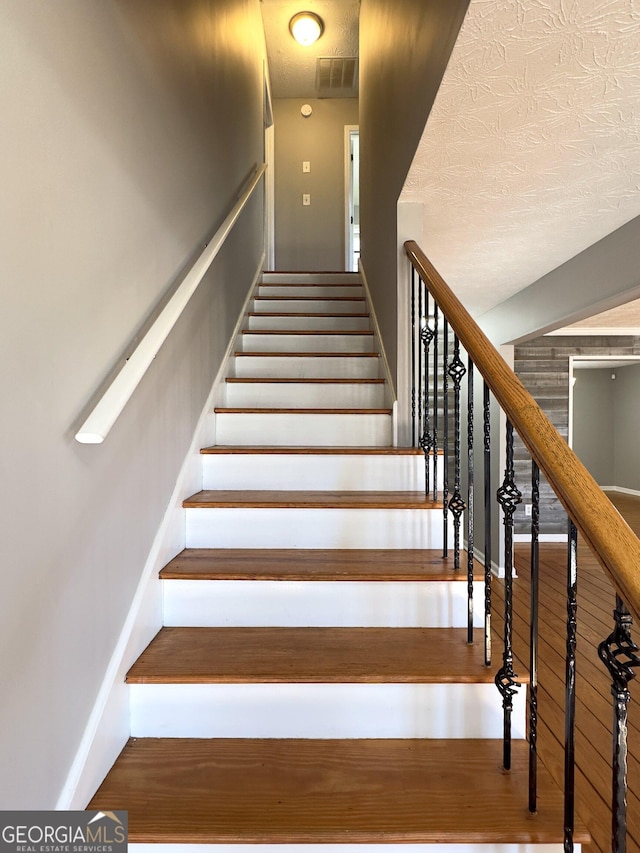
(496, 569)
(108, 727)
(379, 343)
(621, 489)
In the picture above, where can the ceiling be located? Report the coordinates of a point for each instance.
(532, 149)
(623, 320)
(293, 68)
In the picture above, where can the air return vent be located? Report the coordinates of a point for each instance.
(337, 75)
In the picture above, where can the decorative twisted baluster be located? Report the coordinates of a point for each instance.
(470, 497)
(508, 497)
(413, 358)
(426, 337)
(486, 419)
(570, 688)
(620, 655)
(419, 380)
(457, 506)
(533, 637)
(434, 440)
(445, 439)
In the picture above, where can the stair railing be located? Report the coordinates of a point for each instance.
(589, 510)
(107, 410)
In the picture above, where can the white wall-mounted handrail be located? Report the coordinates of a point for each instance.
(96, 427)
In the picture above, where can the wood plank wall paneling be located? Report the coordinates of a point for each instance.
(542, 365)
(593, 707)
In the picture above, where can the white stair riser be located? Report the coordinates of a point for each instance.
(282, 429)
(308, 323)
(322, 711)
(313, 528)
(282, 342)
(310, 306)
(301, 395)
(349, 848)
(351, 278)
(313, 367)
(321, 472)
(320, 604)
(321, 291)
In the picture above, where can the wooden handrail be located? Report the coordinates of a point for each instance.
(610, 538)
(105, 413)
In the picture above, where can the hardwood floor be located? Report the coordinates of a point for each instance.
(593, 704)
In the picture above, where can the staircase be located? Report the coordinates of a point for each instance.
(312, 683)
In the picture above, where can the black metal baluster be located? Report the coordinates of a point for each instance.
(414, 442)
(470, 497)
(457, 506)
(508, 497)
(619, 654)
(426, 337)
(533, 637)
(434, 439)
(570, 688)
(419, 378)
(487, 523)
(445, 439)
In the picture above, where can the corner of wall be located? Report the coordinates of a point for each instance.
(410, 218)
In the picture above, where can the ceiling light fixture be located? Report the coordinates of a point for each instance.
(306, 28)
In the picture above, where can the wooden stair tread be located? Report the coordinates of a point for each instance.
(310, 284)
(307, 332)
(308, 314)
(329, 791)
(313, 564)
(313, 298)
(276, 380)
(317, 451)
(290, 354)
(227, 410)
(310, 500)
(260, 655)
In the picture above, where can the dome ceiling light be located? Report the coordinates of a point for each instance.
(306, 28)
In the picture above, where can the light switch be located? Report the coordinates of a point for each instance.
(306, 166)
(306, 199)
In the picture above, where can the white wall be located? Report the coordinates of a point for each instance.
(128, 126)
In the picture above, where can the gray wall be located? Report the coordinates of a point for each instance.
(127, 131)
(605, 275)
(627, 418)
(404, 48)
(542, 364)
(594, 423)
(311, 238)
(606, 414)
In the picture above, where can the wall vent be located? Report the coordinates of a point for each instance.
(337, 75)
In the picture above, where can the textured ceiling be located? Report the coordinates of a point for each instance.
(292, 67)
(532, 149)
(625, 319)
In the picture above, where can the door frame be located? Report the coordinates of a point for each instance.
(349, 178)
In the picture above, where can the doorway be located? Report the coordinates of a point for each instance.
(352, 197)
(603, 417)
